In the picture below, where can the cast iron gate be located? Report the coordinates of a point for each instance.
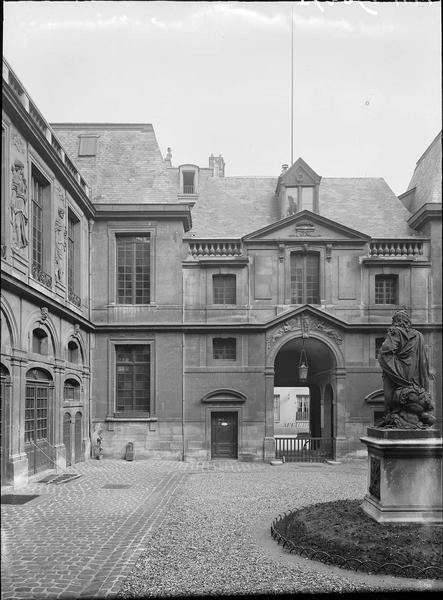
(304, 449)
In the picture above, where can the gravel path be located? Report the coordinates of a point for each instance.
(215, 539)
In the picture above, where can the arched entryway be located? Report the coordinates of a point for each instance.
(38, 414)
(305, 404)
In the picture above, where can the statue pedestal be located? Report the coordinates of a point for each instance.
(404, 475)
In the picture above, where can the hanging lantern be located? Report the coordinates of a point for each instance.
(303, 366)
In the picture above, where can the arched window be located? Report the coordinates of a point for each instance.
(305, 278)
(40, 341)
(73, 352)
(71, 390)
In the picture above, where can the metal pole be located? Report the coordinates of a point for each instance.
(292, 84)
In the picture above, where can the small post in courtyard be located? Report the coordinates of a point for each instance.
(404, 448)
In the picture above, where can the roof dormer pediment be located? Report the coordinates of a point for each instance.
(306, 225)
(300, 174)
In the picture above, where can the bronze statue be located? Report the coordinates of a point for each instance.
(406, 377)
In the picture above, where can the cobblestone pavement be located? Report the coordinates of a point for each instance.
(82, 540)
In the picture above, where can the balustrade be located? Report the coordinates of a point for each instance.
(204, 248)
(74, 298)
(396, 248)
(41, 276)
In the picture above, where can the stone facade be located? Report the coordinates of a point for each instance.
(106, 188)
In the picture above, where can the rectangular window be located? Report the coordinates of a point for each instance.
(188, 182)
(305, 278)
(386, 289)
(307, 195)
(73, 250)
(133, 270)
(224, 289)
(37, 200)
(133, 379)
(87, 146)
(224, 348)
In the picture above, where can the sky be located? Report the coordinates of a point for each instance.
(215, 77)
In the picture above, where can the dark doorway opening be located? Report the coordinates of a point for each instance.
(224, 435)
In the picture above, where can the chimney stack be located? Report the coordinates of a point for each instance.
(217, 164)
(284, 168)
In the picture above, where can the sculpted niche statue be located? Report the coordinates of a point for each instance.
(406, 377)
(19, 214)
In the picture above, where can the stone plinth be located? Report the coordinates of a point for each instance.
(404, 475)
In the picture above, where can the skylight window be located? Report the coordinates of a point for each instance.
(87, 146)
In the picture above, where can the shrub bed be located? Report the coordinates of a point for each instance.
(341, 533)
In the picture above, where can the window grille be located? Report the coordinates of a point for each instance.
(305, 278)
(224, 289)
(133, 270)
(386, 289)
(224, 348)
(133, 379)
(36, 413)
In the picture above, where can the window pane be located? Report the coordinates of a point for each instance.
(386, 289)
(133, 270)
(305, 278)
(307, 198)
(37, 222)
(224, 348)
(133, 377)
(224, 289)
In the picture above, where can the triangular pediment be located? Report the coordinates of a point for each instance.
(306, 225)
(300, 173)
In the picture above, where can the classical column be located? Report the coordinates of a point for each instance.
(341, 441)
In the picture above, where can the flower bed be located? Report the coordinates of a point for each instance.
(340, 533)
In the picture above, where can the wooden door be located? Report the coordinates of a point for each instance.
(224, 435)
(78, 438)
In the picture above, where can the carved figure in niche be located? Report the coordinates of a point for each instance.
(60, 243)
(292, 206)
(406, 375)
(19, 211)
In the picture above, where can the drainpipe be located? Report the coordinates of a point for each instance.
(90, 225)
(183, 366)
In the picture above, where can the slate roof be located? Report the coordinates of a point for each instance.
(128, 166)
(427, 176)
(236, 206)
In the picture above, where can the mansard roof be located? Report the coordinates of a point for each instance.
(427, 176)
(237, 206)
(128, 165)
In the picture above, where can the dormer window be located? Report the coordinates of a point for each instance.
(188, 179)
(188, 182)
(299, 198)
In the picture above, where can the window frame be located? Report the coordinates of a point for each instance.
(112, 379)
(224, 277)
(224, 358)
(133, 287)
(393, 277)
(136, 231)
(293, 255)
(46, 245)
(73, 277)
(84, 137)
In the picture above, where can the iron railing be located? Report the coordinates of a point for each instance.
(188, 188)
(304, 449)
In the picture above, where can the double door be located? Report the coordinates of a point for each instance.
(37, 445)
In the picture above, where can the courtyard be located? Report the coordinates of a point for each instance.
(154, 527)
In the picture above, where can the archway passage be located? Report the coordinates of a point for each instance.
(310, 399)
